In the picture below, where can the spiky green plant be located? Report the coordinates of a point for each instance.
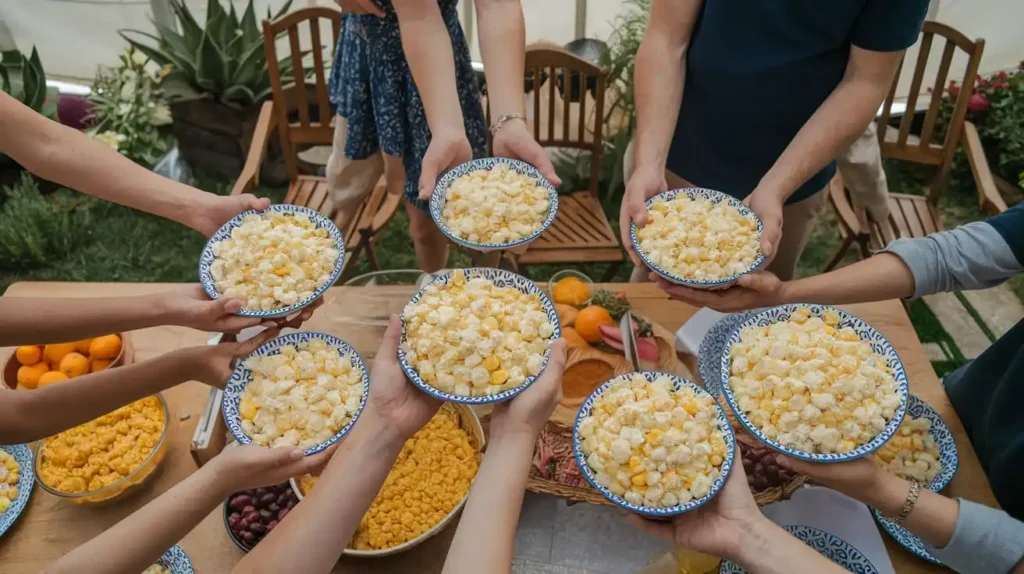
(223, 59)
(25, 80)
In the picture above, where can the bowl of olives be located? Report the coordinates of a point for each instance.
(249, 515)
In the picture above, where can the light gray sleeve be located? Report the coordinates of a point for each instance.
(972, 256)
(986, 541)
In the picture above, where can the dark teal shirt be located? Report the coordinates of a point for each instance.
(758, 69)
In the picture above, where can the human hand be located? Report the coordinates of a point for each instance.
(647, 181)
(514, 140)
(767, 206)
(219, 209)
(528, 411)
(717, 528)
(400, 406)
(360, 7)
(240, 467)
(191, 307)
(859, 479)
(213, 364)
(447, 149)
(753, 290)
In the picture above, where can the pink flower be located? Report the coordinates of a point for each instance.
(977, 103)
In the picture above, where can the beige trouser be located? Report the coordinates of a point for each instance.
(797, 224)
(350, 181)
(862, 173)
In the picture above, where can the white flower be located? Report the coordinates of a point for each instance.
(110, 138)
(139, 58)
(128, 90)
(160, 115)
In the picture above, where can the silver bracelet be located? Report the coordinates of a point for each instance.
(502, 119)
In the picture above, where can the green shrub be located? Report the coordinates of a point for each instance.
(35, 230)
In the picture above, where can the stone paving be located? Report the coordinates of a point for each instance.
(999, 308)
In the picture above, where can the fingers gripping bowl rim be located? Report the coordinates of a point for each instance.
(714, 197)
(439, 198)
(500, 278)
(677, 383)
(241, 377)
(206, 258)
(879, 344)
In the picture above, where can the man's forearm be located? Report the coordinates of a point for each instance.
(659, 77)
(315, 532)
(502, 33)
(74, 319)
(428, 50)
(138, 541)
(883, 276)
(768, 549)
(485, 538)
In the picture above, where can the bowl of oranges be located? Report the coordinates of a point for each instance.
(36, 366)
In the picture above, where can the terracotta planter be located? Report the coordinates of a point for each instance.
(213, 136)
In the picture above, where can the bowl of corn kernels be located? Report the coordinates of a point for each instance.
(699, 238)
(302, 389)
(426, 487)
(653, 443)
(477, 336)
(493, 203)
(814, 382)
(923, 448)
(276, 261)
(108, 457)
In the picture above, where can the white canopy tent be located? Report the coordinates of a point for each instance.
(74, 36)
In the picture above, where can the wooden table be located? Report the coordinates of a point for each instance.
(51, 527)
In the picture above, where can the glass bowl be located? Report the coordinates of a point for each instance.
(571, 273)
(136, 478)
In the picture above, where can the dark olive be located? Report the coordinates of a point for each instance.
(243, 524)
(274, 507)
(265, 514)
(240, 502)
(273, 523)
(248, 537)
(248, 509)
(258, 528)
(283, 513)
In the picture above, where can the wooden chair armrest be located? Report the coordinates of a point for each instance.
(988, 193)
(250, 176)
(855, 220)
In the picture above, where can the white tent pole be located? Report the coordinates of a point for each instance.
(581, 18)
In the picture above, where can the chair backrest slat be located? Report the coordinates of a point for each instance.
(915, 87)
(319, 71)
(298, 71)
(937, 90)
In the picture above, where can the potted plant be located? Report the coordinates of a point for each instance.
(25, 80)
(216, 78)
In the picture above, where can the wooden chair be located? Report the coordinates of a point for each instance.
(303, 118)
(918, 215)
(581, 231)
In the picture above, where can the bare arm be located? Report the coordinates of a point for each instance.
(69, 157)
(428, 50)
(767, 548)
(502, 46)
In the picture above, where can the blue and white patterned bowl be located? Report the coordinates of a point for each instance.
(440, 198)
(828, 545)
(500, 278)
(241, 377)
(206, 258)
(714, 197)
(677, 383)
(879, 344)
(176, 561)
(709, 354)
(903, 536)
(949, 457)
(26, 480)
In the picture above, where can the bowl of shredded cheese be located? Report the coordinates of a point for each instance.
(108, 457)
(174, 561)
(814, 382)
(653, 443)
(426, 488)
(276, 261)
(477, 336)
(923, 448)
(303, 389)
(698, 238)
(493, 203)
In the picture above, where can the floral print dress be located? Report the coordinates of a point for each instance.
(371, 87)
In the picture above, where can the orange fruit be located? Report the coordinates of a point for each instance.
(51, 377)
(589, 321)
(82, 346)
(572, 338)
(54, 353)
(28, 375)
(74, 365)
(29, 354)
(99, 364)
(105, 347)
(570, 291)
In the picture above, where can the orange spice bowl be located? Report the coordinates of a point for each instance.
(9, 376)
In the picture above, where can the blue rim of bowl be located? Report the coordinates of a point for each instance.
(677, 382)
(26, 481)
(176, 561)
(438, 199)
(949, 455)
(710, 195)
(242, 376)
(851, 556)
(507, 394)
(708, 362)
(881, 346)
(206, 258)
(904, 538)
